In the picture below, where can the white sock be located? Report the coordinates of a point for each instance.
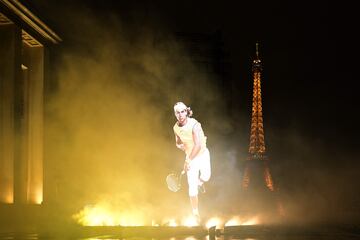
(195, 211)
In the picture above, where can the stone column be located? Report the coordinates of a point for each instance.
(10, 47)
(33, 59)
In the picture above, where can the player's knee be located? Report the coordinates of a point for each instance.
(193, 191)
(205, 177)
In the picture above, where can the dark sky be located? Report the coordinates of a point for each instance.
(309, 55)
(308, 52)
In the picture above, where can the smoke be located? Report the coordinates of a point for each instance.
(109, 125)
(315, 182)
(109, 119)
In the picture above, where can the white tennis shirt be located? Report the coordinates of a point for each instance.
(185, 133)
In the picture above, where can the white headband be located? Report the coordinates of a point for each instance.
(179, 106)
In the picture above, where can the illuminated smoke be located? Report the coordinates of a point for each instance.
(109, 123)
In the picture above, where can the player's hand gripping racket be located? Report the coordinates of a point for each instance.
(174, 181)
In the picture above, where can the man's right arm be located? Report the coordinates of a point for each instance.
(181, 146)
(179, 143)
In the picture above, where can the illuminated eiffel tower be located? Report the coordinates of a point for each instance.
(257, 184)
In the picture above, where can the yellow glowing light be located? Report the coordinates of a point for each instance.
(236, 221)
(190, 222)
(104, 215)
(252, 221)
(7, 199)
(35, 193)
(190, 238)
(215, 221)
(169, 222)
(172, 223)
(7, 194)
(154, 223)
(38, 198)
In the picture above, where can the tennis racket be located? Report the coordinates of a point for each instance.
(173, 181)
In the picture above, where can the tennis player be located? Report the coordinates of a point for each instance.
(190, 138)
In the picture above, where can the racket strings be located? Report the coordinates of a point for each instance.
(173, 182)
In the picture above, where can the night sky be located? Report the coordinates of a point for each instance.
(308, 50)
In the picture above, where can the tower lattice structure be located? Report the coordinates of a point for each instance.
(257, 150)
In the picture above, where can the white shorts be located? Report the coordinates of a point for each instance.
(199, 169)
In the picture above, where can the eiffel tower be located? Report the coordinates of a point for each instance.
(257, 183)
